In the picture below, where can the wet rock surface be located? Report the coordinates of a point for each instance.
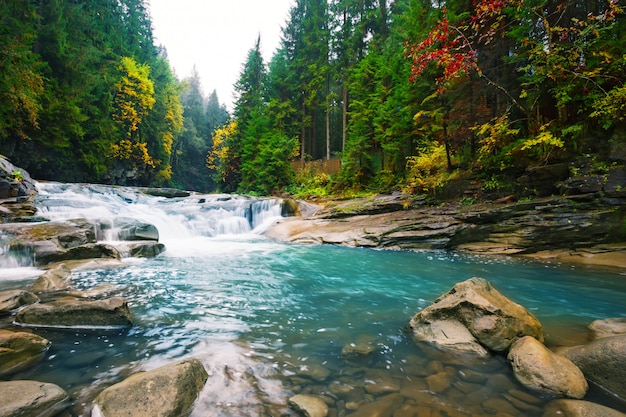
(540, 226)
(169, 391)
(31, 398)
(18, 350)
(538, 369)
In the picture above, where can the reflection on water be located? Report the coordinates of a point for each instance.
(270, 320)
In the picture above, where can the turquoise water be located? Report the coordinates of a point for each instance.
(270, 320)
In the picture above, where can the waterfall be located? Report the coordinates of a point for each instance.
(196, 215)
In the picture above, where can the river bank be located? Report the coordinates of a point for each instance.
(582, 230)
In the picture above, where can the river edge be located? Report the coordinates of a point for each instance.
(586, 231)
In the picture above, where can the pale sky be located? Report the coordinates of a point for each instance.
(215, 36)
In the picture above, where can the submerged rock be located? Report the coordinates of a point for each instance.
(603, 362)
(543, 371)
(169, 391)
(69, 312)
(31, 398)
(492, 319)
(578, 408)
(18, 350)
(13, 299)
(309, 406)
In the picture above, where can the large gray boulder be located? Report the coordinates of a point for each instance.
(541, 370)
(603, 362)
(578, 408)
(169, 391)
(18, 350)
(70, 312)
(54, 279)
(13, 299)
(492, 319)
(31, 399)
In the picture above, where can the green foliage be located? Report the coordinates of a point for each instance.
(428, 172)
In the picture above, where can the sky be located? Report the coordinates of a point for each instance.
(215, 36)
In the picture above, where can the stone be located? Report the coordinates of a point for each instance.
(578, 408)
(71, 313)
(545, 372)
(168, 391)
(123, 228)
(308, 405)
(11, 185)
(382, 407)
(607, 327)
(54, 279)
(13, 299)
(31, 398)
(493, 320)
(438, 382)
(603, 361)
(358, 349)
(18, 350)
(542, 180)
(448, 335)
(587, 184)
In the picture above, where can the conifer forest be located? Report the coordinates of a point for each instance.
(409, 94)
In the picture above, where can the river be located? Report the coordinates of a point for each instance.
(270, 320)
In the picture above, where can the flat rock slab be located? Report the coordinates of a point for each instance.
(72, 313)
(169, 391)
(31, 398)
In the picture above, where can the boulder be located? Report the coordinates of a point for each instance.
(140, 249)
(70, 312)
(542, 180)
(578, 408)
(308, 405)
(18, 350)
(492, 319)
(54, 279)
(169, 391)
(541, 370)
(87, 251)
(13, 299)
(14, 181)
(603, 361)
(607, 327)
(123, 228)
(31, 398)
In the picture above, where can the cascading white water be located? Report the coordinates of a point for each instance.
(199, 215)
